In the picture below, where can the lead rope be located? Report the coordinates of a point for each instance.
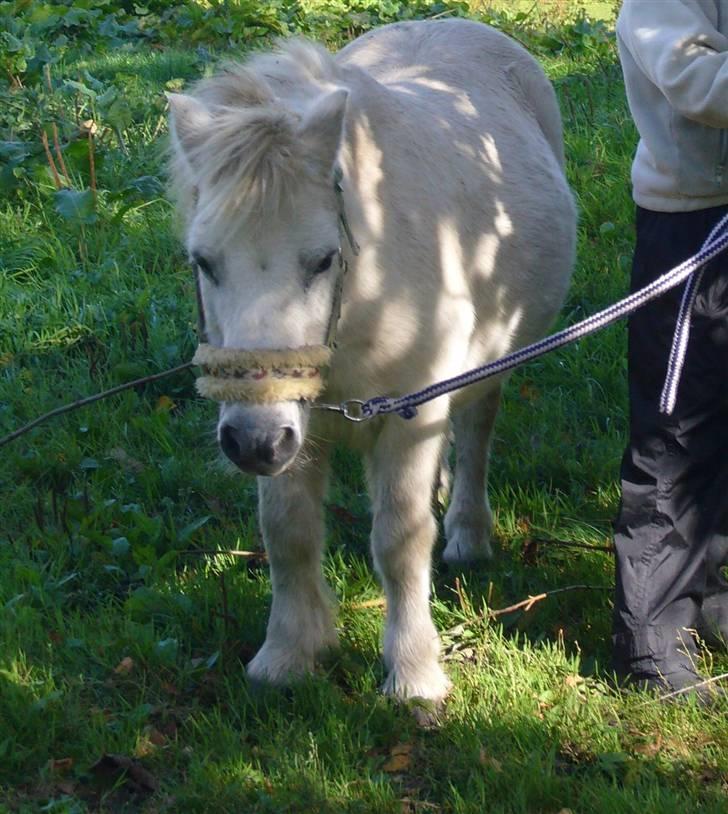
(715, 244)
(682, 334)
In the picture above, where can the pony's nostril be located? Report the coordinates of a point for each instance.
(265, 451)
(285, 443)
(229, 443)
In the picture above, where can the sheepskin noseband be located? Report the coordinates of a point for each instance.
(261, 376)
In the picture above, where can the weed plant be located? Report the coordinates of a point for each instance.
(124, 631)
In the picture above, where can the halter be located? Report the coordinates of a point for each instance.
(268, 376)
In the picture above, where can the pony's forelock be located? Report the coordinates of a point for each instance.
(250, 160)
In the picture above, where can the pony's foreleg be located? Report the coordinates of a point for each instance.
(469, 520)
(301, 618)
(401, 471)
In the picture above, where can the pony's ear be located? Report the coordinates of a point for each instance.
(189, 121)
(322, 128)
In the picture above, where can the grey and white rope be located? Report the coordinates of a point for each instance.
(682, 332)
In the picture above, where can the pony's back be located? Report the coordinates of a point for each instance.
(463, 54)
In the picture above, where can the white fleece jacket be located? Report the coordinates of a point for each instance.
(674, 56)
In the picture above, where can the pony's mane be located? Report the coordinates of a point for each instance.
(250, 154)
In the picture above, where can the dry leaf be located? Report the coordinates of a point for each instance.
(62, 764)
(164, 404)
(156, 737)
(396, 764)
(401, 749)
(144, 747)
(649, 748)
(125, 666)
(399, 758)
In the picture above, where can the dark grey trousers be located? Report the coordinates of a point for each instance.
(671, 534)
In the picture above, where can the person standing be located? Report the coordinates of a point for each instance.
(671, 534)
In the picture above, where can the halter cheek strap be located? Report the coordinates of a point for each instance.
(268, 376)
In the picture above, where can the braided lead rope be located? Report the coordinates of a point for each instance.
(681, 337)
(679, 348)
(406, 406)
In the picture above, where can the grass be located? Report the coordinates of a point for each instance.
(121, 635)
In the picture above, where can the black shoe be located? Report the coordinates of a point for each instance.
(713, 623)
(668, 667)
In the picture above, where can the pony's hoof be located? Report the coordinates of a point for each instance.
(426, 714)
(273, 665)
(466, 546)
(430, 686)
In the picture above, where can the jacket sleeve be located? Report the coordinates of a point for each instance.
(682, 53)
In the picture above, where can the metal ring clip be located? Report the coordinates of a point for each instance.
(350, 409)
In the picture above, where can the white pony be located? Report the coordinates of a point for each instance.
(448, 139)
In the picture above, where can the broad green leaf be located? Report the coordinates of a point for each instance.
(118, 114)
(79, 87)
(11, 42)
(192, 527)
(74, 206)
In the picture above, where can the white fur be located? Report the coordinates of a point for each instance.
(449, 138)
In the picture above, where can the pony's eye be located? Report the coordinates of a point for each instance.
(325, 264)
(205, 266)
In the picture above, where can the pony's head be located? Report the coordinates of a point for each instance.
(254, 180)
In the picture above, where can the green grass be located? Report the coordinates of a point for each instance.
(120, 635)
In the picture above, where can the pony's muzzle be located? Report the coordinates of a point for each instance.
(260, 441)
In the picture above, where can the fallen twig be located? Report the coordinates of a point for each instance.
(524, 604)
(232, 552)
(66, 408)
(528, 603)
